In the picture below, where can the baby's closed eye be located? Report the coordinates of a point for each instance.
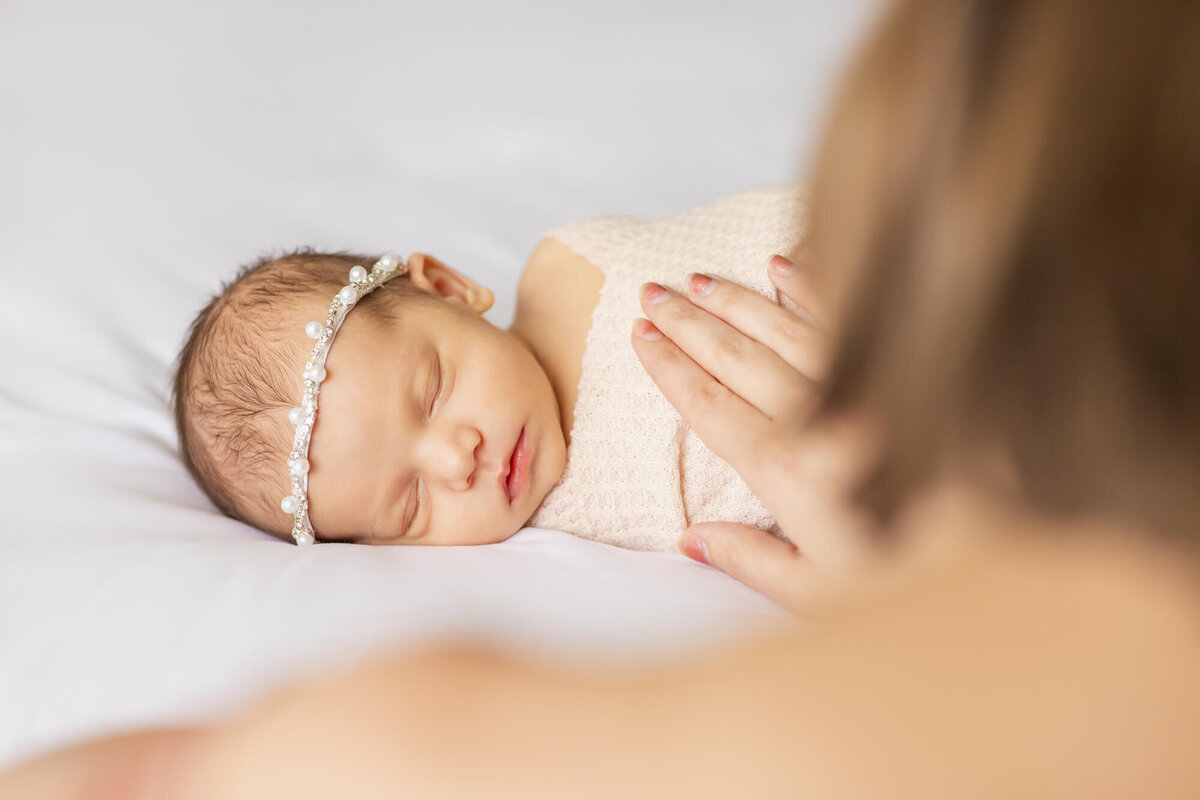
(433, 387)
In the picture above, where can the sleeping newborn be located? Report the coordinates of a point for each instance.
(436, 427)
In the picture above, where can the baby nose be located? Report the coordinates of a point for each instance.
(449, 455)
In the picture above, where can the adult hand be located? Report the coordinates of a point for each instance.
(744, 373)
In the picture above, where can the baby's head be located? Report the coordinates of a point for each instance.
(434, 426)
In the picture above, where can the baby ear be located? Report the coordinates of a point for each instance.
(436, 278)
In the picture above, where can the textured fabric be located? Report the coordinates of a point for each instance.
(636, 474)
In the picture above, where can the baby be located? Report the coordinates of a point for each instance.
(434, 426)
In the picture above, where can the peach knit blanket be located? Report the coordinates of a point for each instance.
(636, 474)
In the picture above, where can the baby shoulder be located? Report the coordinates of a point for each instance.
(558, 292)
(558, 285)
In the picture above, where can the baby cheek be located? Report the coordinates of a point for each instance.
(479, 528)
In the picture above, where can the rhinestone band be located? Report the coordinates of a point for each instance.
(304, 416)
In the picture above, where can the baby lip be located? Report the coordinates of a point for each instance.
(503, 477)
(508, 466)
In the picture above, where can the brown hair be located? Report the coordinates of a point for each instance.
(1007, 210)
(235, 369)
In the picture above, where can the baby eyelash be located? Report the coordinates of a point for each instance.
(437, 391)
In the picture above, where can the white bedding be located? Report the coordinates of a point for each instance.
(148, 147)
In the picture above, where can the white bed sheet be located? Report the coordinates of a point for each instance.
(148, 147)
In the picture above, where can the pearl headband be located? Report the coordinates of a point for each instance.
(304, 416)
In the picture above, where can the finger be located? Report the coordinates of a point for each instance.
(794, 281)
(796, 341)
(725, 422)
(764, 562)
(747, 367)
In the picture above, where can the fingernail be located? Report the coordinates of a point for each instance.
(782, 266)
(645, 329)
(700, 284)
(654, 293)
(694, 548)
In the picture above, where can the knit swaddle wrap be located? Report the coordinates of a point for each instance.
(636, 474)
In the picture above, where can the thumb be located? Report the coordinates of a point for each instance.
(764, 562)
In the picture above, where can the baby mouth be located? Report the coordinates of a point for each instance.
(514, 479)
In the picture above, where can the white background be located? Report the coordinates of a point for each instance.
(148, 148)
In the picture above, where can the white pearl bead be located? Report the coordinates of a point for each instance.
(349, 295)
(314, 329)
(389, 262)
(316, 374)
(298, 466)
(358, 274)
(296, 415)
(290, 504)
(304, 538)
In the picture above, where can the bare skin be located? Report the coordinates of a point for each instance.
(929, 688)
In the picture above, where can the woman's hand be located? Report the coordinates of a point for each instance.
(744, 373)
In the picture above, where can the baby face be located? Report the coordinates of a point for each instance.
(437, 429)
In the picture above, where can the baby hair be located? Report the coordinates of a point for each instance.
(238, 369)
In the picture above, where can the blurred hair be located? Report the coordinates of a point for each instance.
(1006, 210)
(242, 359)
